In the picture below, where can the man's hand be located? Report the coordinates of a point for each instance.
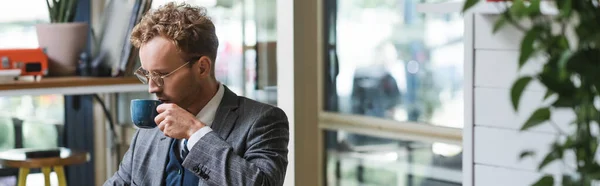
(176, 122)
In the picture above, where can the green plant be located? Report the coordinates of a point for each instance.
(61, 11)
(570, 73)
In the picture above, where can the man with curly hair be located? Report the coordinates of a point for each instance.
(206, 134)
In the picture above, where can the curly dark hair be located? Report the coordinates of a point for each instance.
(191, 30)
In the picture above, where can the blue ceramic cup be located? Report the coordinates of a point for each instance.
(143, 112)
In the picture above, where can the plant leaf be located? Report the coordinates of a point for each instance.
(547, 180)
(50, 10)
(70, 11)
(564, 101)
(527, 47)
(564, 58)
(567, 180)
(499, 23)
(526, 153)
(534, 8)
(62, 10)
(55, 6)
(565, 8)
(550, 157)
(548, 94)
(563, 42)
(549, 77)
(518, 9)
(595, 169)
(593, 144)
(74, 10)
(517, 90)
(539, 116)
(569, 143)
(468, 4)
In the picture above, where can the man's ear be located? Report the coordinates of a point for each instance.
(204, 66)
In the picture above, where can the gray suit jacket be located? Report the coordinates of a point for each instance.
(248, 146)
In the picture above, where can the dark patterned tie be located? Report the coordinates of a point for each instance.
(185, 150)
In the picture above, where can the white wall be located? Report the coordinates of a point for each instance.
(497, 141)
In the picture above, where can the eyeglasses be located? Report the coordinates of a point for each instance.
(144, 75)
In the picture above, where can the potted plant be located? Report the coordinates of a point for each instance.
(62, 38)
(571, 75)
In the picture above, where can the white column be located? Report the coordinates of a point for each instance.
(299, 61)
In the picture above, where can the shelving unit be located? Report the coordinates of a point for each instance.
(72, 86)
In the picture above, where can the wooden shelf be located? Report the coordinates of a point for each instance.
(72, 86)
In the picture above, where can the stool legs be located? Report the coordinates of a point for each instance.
(60, 173)
(23, 172)
(46, 171)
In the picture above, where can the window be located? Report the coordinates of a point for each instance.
(26, 121)
(40, 119)
(355, 159)
(18, 19)
(38, 113)
(387, 61)
(394, 71)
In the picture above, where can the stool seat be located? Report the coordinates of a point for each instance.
(17, 158)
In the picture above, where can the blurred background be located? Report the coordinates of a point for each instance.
(381, 61)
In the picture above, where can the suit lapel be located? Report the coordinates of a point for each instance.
(162, 151)
(226, 114)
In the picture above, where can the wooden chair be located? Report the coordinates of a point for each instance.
(17, 158)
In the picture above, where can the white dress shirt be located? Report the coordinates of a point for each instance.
(206, 116)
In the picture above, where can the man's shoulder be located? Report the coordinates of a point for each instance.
(148, 135)
(254, 108)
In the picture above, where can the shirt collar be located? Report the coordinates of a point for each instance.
(207, 114)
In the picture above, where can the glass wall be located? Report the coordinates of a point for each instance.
(260, 51)
(39, 114)
(26, 121)
(38, 118)
(385, 60)
(388, 61)
(352, 160)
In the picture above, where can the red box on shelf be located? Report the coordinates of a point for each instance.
(31, 62)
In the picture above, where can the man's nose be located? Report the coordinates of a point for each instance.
(153, 87)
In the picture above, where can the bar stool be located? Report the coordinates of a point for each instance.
(17, 158)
